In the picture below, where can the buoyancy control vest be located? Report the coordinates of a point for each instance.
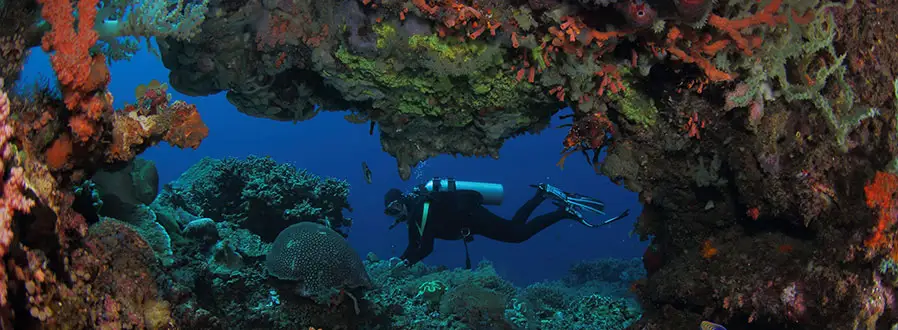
(490, 193)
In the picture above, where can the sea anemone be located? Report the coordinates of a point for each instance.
(638, 13)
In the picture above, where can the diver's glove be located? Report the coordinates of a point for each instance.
(575, 204)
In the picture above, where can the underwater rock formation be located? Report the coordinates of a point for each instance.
(428, 96)
(759, 218)
(774, 204)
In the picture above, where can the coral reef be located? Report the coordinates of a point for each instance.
(59, 273)
(259, 194)
(309, 276)
(760, 136)
(425, 297)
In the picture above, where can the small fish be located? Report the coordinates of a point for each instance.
(710, 326)
(367, 172)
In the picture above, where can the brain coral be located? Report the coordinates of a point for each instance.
(318, 258)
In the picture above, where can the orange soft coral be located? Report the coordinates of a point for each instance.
(58, 154)
(187, 128)
(708, 250)
(82, 127)
(881, 195)
(71, 57)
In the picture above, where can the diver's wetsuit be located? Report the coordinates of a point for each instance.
(451, 213)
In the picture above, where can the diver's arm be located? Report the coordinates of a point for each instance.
(419, 248)
(426, 245)
(413, 251)
(410, 250)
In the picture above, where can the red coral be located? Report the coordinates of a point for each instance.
(588, 132)
(881, 195)
(696, 54)
(611, 79)
(693, 126)
(765, 16)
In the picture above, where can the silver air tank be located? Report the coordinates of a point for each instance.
(492, 193)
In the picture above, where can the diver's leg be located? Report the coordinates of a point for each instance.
(486, 223)
(541, 222)
(494, 227)
(524, 212)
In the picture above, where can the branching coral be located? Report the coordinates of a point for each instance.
(79, 73)
(802, 44)
(177, 19)
(119, 21)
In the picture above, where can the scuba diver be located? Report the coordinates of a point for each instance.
(452, 210)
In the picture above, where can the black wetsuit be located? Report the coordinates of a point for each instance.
(453, 213)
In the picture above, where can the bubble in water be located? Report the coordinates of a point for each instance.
(419, 170)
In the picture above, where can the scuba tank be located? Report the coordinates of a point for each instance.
(492, 193)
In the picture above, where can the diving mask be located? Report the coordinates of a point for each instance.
(397, 210)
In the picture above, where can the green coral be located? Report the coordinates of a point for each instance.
(449, 50)
(407, 91)
(634, 104)
(889, 271)
(517, 314)
(801, 44)
(385, 32)
(893, 165)
(431, 291)
(604, 312)
(537, 55)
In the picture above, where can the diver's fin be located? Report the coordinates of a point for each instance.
(583, 221)
(620, 216)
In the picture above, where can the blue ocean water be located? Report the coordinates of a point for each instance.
(327, 145)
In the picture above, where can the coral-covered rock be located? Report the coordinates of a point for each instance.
(259, 194)
(317, 261)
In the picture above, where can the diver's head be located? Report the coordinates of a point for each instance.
(394, 204)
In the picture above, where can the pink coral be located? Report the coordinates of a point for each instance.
(12, 200)
(794, 301)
